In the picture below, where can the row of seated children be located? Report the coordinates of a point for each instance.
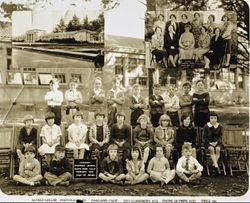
(120, 135)
(59, 173)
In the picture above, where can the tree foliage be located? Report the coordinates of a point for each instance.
(61, 27)
(242, 10)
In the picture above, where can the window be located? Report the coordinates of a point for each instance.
(132, 81)
(143, 81)
(29, 69)
(8, 63)
(61, 77)
(9, 51)
(78, 76)
(118, 70)
(119, 60)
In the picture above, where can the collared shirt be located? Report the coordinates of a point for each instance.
(111, 166)
(54, 98)
(77, 132)
(24, 137)
(144, 135)
(171, 103)
(59, 167)
(161, 136)
(135, 167)
(51, 132)
(33, 166)
(73, 97)
(213, 133)
(158, 164)
(190, 165)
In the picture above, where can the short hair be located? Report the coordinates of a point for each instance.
(200, 80)
(136, 86)
(212, 17)
(172, 15)
(112, 147)
(205, 28)
(30, 148)
(187, 26)
(98, 79)
(184, 15)
(165, 117)
(197, 14)
(120, 113)
(157, 86)
(158, 145)
(217, 28)
(212, 113)
(78, 113)
(99, 113)
(186, 115)
(59, 148)
(53, 81)
(136, 148)
(49, 115)
(28, 117)
(157, 27)
(185, 84)
(187, 147)
(160, 16)
(225, 16)
(74, 80)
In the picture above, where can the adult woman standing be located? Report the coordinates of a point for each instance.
(186, 44)
(157, 45)
(196, 24)
(171, 45)
(226, 35)
(201, 102)
(184, 21)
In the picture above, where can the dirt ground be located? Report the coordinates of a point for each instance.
(209, 186)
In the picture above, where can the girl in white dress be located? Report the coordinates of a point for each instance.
(50, 135)
(77, 134)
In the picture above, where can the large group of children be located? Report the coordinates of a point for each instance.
(173, 41)
(126, 153)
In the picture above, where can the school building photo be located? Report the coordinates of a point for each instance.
(97, 102)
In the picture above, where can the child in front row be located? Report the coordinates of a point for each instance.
(59, 169)
(29, 169)
(159, 168)
(111, 166)
(188, 168)
(77, 136)
(136, 168)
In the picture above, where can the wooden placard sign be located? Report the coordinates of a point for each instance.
(85, 169)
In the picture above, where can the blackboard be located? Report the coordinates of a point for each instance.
(85, 169)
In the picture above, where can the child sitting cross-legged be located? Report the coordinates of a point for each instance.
(59, 169)
(159, 168)
(135, 167)
(188, 168)
(29, 169)
(112, 167)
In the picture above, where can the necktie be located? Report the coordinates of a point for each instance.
(187, 164)
(164, 134)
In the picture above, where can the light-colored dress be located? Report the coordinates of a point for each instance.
(50, 133)
(77, 133)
